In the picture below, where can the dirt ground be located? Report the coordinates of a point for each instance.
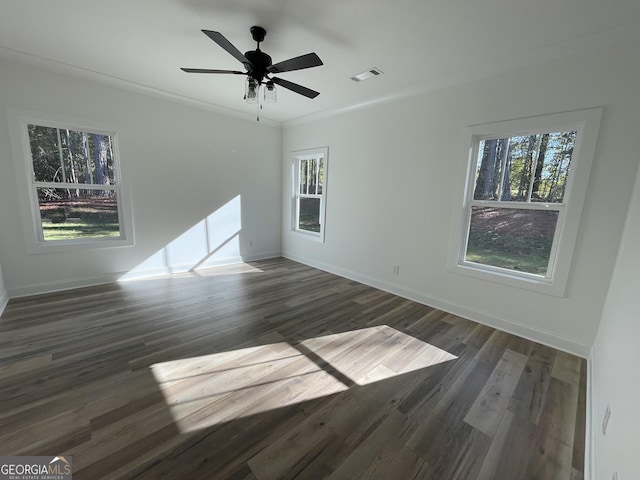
(515, 222)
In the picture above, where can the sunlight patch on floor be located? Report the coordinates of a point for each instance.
(207, 390)
(376, 353)
(231, 269)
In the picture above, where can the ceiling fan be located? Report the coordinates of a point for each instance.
(259, 68)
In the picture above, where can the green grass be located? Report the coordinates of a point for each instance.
(79, 229)
(522, 254)
(528, 264)
(80, 218)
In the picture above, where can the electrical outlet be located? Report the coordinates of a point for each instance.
(605, 420)
(396, 270)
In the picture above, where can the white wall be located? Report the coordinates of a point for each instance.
(394, 173)
(183, 165)
(615, 360)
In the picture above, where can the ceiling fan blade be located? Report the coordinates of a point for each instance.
(227, 45)
(294, 87)
(209, 70)
(298, 63)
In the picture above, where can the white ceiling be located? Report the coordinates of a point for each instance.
(419, 44)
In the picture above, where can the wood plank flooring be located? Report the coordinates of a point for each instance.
(275, 370)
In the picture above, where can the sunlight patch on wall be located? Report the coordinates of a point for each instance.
(207, 390)
(213, 241)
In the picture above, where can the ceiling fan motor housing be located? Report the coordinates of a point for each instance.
(260, 61)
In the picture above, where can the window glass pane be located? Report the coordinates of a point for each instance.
(524, 168)
(518, 167)
(309, 214)
(489, 168)
(86, 157)
(74, 214)
(320, 175)
(96, 159)
(515, 239)
(303, 177)
(552, 169)
(45, 154)
(312, 178)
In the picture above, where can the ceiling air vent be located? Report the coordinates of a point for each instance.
(367, 74)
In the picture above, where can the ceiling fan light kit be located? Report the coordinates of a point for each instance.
(270, 95)
(258, 68)
(251, 90)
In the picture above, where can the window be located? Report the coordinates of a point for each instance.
(309, 192)
(526, 182)
(74, 186)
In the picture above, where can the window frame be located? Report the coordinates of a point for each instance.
(296, 158)
(28, 201)
(586, 123)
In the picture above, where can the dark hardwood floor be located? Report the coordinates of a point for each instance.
(275, 370)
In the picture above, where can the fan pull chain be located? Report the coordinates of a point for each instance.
(258, 108)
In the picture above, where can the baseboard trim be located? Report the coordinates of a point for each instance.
(70, 284)
(178, 268)
(536, 335)
(4, 299)
(261, 256)
(590, 421)
(509, 326)
(155, 272)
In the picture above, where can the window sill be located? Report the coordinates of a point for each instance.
(316, 237)
(36, 248)
(505, 277)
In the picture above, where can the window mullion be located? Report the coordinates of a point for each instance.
(81, 186)
(517, 205)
